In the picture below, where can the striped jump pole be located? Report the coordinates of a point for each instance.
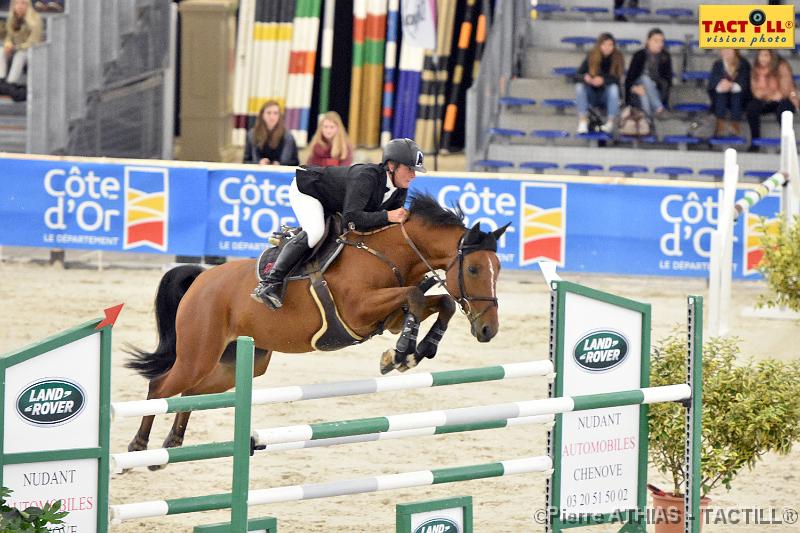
(469, 415)
(753, 196)
(318, 391)
(163, 456)
(422, 478)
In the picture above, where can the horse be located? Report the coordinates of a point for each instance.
(377, 282)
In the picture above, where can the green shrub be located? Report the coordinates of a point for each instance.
(749, 409)
(32, 519)
(781, 265)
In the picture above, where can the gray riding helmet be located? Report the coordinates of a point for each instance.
(406, 152)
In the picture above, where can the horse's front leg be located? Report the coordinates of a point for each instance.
(445, 307)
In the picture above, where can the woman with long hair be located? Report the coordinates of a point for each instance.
(729, 90)
(773, 90)
(598, 80)
(330, 145)
(23, 29)
(269, 142)
(649, 77)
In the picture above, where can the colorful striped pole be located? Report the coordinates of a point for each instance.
(326, 58)
(456, 86)
(357, 76)
(469, 415)
(753, 196)
(132, 511)
(389, 71)
(244, 60)
(182, 454)
(302, 60)
(318, 391)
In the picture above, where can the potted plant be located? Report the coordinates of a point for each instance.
(780, 264)
(33, 519)
(750, 408)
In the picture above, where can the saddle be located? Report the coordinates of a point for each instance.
(334, 333)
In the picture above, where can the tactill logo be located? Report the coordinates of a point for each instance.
(600, 350)
(437, 525)
(50, 402)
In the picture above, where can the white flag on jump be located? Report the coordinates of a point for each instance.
(419, 23)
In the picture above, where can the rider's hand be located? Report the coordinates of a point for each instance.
(397, 215)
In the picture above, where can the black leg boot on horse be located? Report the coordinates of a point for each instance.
(270, 291)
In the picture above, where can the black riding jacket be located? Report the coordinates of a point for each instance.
(356, 192)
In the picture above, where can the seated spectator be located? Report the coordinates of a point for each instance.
(598, 82)
(729, 90)
(330, 145)
(649, 77)
(23, 29)
(773, 90)
(269, 142)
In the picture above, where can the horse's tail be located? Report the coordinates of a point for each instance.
(173, 286)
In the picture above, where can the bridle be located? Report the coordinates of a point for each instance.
(463, 299)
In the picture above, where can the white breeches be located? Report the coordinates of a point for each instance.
(18, 61)
(309, 213)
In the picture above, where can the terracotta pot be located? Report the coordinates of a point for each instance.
(668, 512)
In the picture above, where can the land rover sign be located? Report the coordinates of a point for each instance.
(50, 402)
(601, 350)
(438, 525)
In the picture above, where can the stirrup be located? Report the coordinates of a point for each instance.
(261, 294)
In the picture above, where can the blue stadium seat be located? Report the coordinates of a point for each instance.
(729, 140)
(760, 174)
(628, 170)
(505, 133)
(674, 172)
(631, 11)
(550, 134)
(538, 166)
(691, 107)
(675, 12)
(674, 43)
(624, 43)
(548, 8)
(494, 164)
(696, 75)
(767, 141)
(516, 101)
(568, 72)
(583, 168)
(559, 103)
(647, 139)
(590, 10)
(579, 41)
(796, 78)
(715, 173)
(594, 137)
(682, 141)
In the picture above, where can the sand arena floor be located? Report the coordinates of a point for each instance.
(39, 300)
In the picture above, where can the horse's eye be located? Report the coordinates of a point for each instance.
(472, 269)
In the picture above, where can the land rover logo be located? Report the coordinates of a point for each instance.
(601, 350)
(50, 402)
(437, 525)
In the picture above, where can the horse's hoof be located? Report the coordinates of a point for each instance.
(387, 361)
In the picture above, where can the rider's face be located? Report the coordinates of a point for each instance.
(403, 175)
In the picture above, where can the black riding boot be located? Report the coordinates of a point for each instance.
(270, 291)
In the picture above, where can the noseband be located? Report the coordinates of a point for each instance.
(464, 300)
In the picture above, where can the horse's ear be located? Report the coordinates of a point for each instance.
(474, 234)
(499, 231)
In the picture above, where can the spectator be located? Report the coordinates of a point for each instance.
(773, 90)
(330, 145)
(649, 77)
(598, 82)
(23, 28)
(269, 142)
(729, 90)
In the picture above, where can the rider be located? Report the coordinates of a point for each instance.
(368, 196)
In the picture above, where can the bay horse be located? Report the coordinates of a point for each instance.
(376, 283)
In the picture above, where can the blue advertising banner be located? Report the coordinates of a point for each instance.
(634, 228)
(97, 206)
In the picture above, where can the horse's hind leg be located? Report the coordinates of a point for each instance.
(142, 437)
(222, 378)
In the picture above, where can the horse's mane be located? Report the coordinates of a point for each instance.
(428, 209)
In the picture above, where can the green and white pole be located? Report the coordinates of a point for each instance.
(240, 485)
(694, 417)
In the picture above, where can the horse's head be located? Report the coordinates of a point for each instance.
(472, 280)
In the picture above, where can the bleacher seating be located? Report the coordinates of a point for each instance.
(557, 44)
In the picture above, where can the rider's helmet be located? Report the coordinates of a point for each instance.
(406, 152)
